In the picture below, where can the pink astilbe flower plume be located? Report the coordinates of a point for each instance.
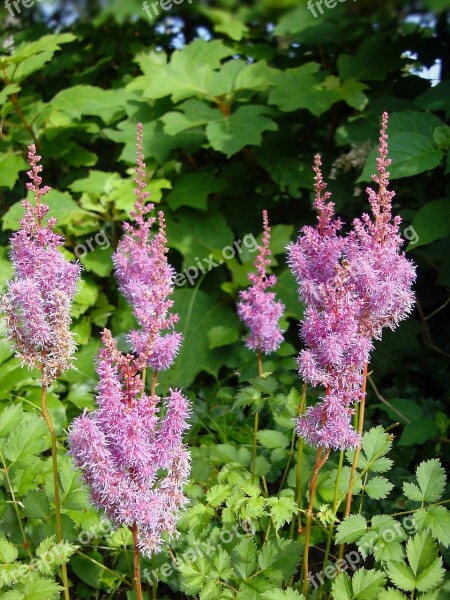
(352, 285)
(38, 299)
(134, 461)
(146, 279)
(258, 309)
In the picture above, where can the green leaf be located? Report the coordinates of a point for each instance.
(10, 167)
(37, 505)
(351, 529)
(279, 559)
(270, 438)
(287, 594)
(424, 562)
(431, 222)
(431, 482)
(218, 494)
(98, 261)
(244, 559)
(437, 518)
(376, 443)
(243, 127)
(222, 335)
(193, 189)
(391, 594)
(378, 488)
(8, 552)
(9, 418)
(87, 100)
(401, 575)
(367, 584)
(342, 587)
(29, 438)
(418, 432)
(41, 587)
(411, 154)
(281, 510)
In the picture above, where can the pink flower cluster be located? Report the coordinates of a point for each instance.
(134, 461)
(353, 285)
(146, 279)
(258, 309)
(38, 299)
(121, 447)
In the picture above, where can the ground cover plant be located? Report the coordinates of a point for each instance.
(224, 362)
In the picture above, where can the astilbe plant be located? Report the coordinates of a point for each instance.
(134, 461)
(353, 286)
(37, 303)
(259, 310)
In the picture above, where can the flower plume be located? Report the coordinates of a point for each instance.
(353, 286)
(38, 298)
(258, 309)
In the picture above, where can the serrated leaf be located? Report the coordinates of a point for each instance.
(279, 559)
(367, 584)
(29, 438)
(244, 558)
(378, 488)
(281, 510)
(218, 494)
(41, 587)
(287, 594)
(270, 438)
(391, 594)
(431, 479)
(342, 587)
(437, 518)
(8, 552)
(9, 418)
(351, 529)
(401, 575)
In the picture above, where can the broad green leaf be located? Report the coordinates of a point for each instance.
(418, 432)
(401, 575)
(222, 336)
(37, 505)
(351, 529)
(431, 222)
(87, 100)
(376, 443)
(243, 127)
(29, 438)
(287, 594)
(41, 587)
(391, 594)
(10, 167)
(193, 189)
(411, 154)
(99, 261)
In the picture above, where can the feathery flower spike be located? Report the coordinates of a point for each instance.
(258, 309)
(38, 298)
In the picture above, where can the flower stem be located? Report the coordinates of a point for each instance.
(298, 490)
(153, 387)
(320, 461)
(256, 425)
(351, 483)
(136, 563)
(59, 535)
(331, 528)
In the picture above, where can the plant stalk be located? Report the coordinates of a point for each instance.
(321, 459)
(59, 534)
(351, 483)
(136, 563)
(256, 425)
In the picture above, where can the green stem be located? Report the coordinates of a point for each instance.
(59, 534)
(331, 528)
(356, 455)
(320, 461)
(26, 544)
(256, 425)
(298, 489)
